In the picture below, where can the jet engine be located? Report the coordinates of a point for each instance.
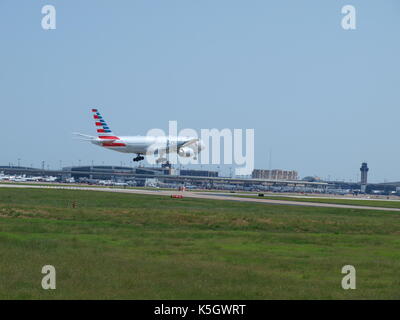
(186, 152)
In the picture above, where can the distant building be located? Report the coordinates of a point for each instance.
(98, 172)
(199, 173)
(113, 172)
(275, 174)
(364, 176)
(364, 173)
(311, 179)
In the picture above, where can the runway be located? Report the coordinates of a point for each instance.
(199, 195)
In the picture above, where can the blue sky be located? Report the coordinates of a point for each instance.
(321, 98)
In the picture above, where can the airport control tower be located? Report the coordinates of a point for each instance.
(364, 176)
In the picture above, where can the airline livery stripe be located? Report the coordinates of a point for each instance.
(101, 123)
(109, 137)
(114, 145)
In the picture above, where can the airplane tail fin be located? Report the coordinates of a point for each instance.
(103, 130)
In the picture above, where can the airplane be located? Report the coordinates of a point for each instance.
(142, 145)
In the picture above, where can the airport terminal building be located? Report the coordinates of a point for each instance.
(275, 174)
(96, 172)
(105, 172)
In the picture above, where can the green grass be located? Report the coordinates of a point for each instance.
(56, 184)
(368, 203)
(126, 246)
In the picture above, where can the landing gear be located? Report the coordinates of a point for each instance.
(138, 158)
(166, 165)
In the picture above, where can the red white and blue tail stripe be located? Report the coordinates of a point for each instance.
(102, 128)
(104, 131)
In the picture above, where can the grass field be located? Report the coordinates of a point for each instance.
(125, 246)
(354, 202)
(80, 185)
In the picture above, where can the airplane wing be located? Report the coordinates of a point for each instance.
(162, 148)
(187, 143)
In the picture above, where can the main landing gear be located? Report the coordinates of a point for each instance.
(166, 165)
(138, 158)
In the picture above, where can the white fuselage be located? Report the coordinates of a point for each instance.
(148, 144)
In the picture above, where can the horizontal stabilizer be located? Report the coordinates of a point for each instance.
(85, 136)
